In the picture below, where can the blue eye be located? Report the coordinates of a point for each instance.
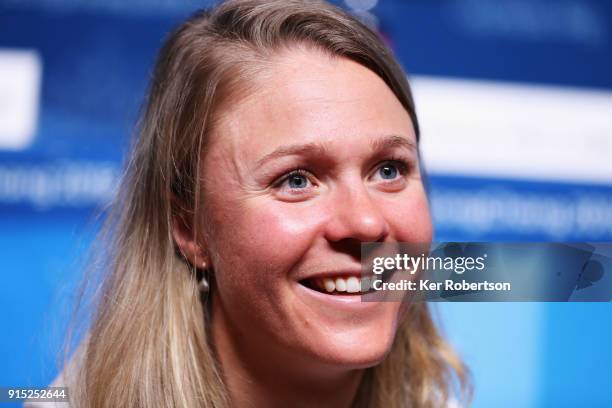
(297, 181)
(388, 171)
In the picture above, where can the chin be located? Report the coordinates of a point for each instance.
(351, 351)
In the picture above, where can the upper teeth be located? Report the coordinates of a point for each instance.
(351, 284)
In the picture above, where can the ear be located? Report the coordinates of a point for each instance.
(188, 244)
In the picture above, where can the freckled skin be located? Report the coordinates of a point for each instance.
(264, 236)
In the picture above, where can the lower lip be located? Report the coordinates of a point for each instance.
(348, 302)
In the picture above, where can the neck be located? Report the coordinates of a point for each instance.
(259, 376)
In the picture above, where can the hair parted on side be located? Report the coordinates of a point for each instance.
(148, 343)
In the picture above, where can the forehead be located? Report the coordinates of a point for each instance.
(306, 96)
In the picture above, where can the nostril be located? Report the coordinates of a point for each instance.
(356, 215)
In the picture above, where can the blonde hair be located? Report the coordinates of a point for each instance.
(148, 344)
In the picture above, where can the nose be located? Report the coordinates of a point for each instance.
(355, 215)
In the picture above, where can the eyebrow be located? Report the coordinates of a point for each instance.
(379, 144)
(291, 150)
(392, 141)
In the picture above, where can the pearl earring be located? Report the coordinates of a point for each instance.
(203, 285)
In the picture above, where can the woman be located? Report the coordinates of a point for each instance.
(277, 136)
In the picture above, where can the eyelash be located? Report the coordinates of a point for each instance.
(404, 167)
(296, 172)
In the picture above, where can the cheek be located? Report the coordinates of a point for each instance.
(257, 247)
(264, 239)
(409, 217)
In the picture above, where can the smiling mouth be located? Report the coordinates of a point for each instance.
(340, 285)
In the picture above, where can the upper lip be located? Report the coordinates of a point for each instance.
(334, 274)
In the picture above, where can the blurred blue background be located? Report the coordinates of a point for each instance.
(515, 99)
